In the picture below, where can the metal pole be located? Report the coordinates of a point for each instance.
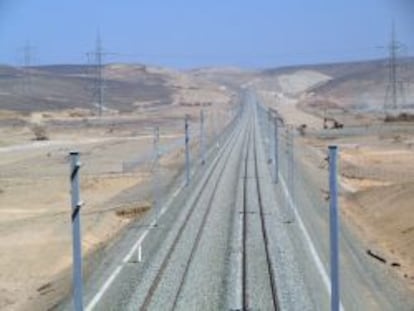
(334, 228)
(276, 150)
(291, 164)
(156, 141)
(219, 129)
(268, 134)
(290, 199)
(202, 138)
(76, 232)
(187, 151)
(271, 143)
(155, 177)
(215, 115)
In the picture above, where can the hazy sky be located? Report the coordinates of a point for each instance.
(189, 33)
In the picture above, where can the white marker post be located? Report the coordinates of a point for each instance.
(139, 253)
(76, 232)
(334, 228)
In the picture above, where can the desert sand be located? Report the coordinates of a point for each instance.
(376, 157)
(35, 225)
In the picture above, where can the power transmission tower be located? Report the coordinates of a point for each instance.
(97, 57)
(395, 87)
(27, 51)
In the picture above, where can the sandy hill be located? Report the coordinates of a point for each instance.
(72, 86)
(355, 85)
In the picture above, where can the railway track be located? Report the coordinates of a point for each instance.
(224, 244)
(257, 255)
(188, 259)
(155, 284)
(258, 281)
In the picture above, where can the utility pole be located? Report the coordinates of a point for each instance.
(202, 138)
(187, 150)
(290, 146)
(394, 84)
(269, 135)
(155, 177)
(76, 232)
(334, 228)
(276, 151)
(214, 125)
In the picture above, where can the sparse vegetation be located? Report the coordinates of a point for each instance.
(402, 117)
(132, 212)
(39, 132)
(302, 129)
